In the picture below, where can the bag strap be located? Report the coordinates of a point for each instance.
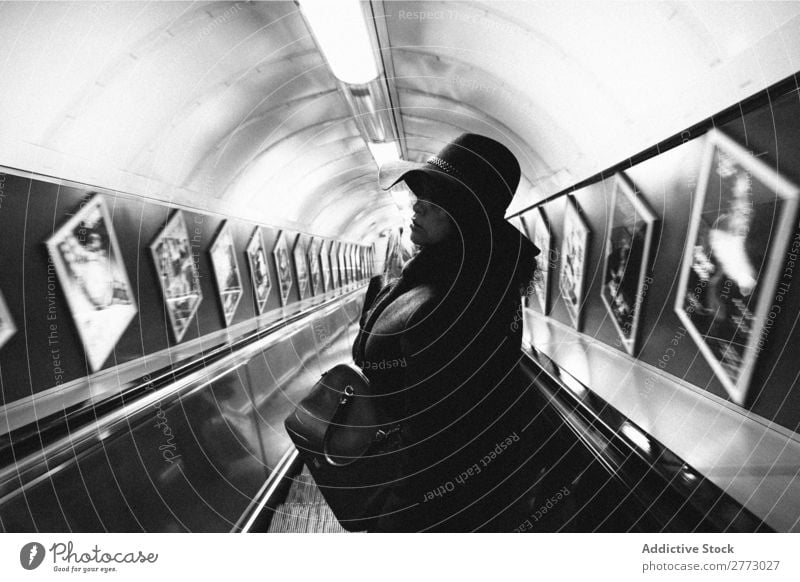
(345, 400)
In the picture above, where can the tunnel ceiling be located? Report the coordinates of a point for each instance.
(230, 108)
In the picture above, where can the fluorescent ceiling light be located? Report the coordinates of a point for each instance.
(384, 153)
(341, 32)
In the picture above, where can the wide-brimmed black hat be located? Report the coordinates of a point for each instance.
(476, 164)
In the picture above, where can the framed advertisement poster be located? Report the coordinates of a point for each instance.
(314, 266)
(627, 260)
(333, 257)
(351, 268)
(283, 266)
(325, 257)
(177, 273)
(226, 272)
(542, 236)
(742, 222)
(7, 327)
(574, 249)
(259, 269)
(89, 265)
(348, 262)
(351, 264)
(301, 267)
(344, 273)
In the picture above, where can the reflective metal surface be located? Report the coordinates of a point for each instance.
(752, 460)
(191, 456)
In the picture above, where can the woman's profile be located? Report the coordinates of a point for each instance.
(440, 344)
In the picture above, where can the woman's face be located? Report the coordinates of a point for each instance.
(430, 224)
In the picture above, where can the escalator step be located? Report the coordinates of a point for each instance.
(304, 518)
(303, 490)
(304, 509)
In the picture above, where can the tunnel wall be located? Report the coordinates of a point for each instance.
(46, 351)
(668, 183)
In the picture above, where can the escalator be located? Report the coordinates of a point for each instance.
(200, 446)
(195, 446)
(304, 510)
(584, 468)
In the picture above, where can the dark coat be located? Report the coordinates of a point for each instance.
(440, 347)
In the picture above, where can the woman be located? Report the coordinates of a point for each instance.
(440, 344)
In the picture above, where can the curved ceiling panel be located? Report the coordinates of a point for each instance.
(488, 97)
(586, 85)
(376, 219)
(343, 213)
(229, 106)
(246, 150)
(221, 106)
(228, 116)
(204, 57)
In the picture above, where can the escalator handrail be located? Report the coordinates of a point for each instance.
(592, 419)
(50, 455)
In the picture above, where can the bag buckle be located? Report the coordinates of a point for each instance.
(347, 393)
(382, 435)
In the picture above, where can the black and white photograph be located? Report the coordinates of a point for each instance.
(7, 327)
(226, 273)
(743, 221)
(338, 265)
(400, 266)
(325, 258)
(341, 251)
(371, 263)
(333, 259)
(626, 269)
(353, 262)
(347, 264)
(301, 267)
(572, 273)
(259, 269)
(283, 266)
(315, 269)
(178, 275)
(542, 236)
(93, 278)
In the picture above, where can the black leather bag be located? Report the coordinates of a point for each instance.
(352, 454)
